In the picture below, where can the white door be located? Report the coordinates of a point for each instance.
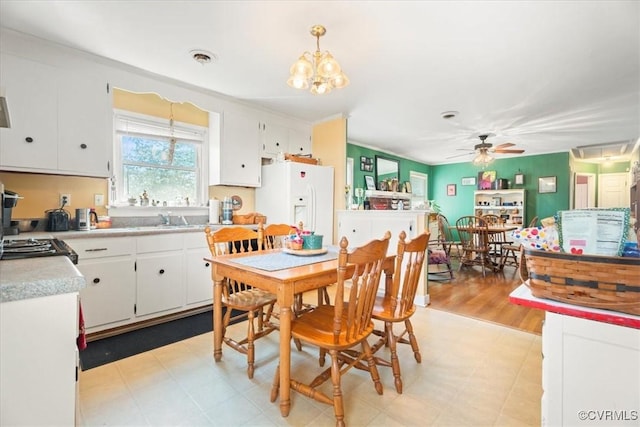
(613, 191)
(585, 191)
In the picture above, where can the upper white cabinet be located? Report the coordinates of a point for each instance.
(85, 131)
(299, 142)
(60, 120)
(235, 160)
(282, 139)
(275, 139)
(31, 91)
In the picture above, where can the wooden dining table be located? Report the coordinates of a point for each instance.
(492, 229)
(284, 283)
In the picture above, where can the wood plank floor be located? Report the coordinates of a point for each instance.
(471, 295)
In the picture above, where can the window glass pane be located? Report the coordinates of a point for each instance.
(157, 152)
(164, 185)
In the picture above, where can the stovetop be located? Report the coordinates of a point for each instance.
(30, 248)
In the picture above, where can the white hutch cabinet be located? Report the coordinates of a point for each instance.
(508, 204)
(359, 227)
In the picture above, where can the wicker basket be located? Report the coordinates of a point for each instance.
(610, 283)
(244, 219)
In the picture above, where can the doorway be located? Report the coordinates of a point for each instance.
(585, 190)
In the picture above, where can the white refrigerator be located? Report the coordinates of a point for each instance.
(292, 192)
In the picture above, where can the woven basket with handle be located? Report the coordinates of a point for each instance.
(610, 283)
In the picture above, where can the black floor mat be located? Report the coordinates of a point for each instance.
(118, 347)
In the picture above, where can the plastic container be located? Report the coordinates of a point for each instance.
(227, 211)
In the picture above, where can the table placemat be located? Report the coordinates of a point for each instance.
(280, 260)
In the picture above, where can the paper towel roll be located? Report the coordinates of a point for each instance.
(214, 211)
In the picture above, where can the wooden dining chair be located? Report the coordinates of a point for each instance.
(445, 235)
(397, 306)
(511, 251)
(497, 240)
(344, 325)
(254, 304)
(474, 236)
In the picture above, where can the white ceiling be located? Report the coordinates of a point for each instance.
(547, 76)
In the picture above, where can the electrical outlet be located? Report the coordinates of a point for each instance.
(98, 200)
(65, 198)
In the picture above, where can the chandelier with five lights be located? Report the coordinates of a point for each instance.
(319, 70)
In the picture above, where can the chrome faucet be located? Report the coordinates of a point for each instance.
(166, 218)
(183, 220)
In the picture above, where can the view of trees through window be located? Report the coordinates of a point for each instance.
(160, 159)
(168, 174)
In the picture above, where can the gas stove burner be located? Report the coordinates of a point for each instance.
(30, 248)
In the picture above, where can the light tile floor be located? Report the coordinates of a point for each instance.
(472, 373)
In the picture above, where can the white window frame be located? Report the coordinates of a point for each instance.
(415, 178)
(183, 131)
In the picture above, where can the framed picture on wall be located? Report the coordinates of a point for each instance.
(451, 189)
(366, 164)
(469, 180)
(370, 183)
(519, 179)
(547, 184)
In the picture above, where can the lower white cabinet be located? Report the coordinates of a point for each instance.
(159, 276)
(132, 279)
(198, 271)
(590, 372)
(359, 227)
(38, 366)
(108, 266)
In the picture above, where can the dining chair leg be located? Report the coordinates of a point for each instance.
(338, 404)
(250, 344)
(413, 341)
(275, 387)
(395, 363)
(373, 369)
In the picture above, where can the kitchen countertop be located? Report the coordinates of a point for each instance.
(123, 231)
(522, 296)
(22, 279)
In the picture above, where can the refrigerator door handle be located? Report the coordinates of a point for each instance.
(311, 208)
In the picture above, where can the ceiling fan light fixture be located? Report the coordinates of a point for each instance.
(320, 70)
(483, 159)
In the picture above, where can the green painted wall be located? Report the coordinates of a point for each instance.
(406, 165)
(533, 167)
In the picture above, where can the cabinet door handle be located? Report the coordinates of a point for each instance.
(95, 250)
(242, 165)
(96, 280)
(29, 139)
(161, 271)
(83, 146)
(277, 144)
(206, 264)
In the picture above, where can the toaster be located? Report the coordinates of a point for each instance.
(58, 220)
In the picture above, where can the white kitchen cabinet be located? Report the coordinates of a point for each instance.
(590, 369)
(359, 227)
(275, 139)
(198, 271)
(31, 90)
(299, 142)
(159, 274)
(38, 367)
(508, 204)
(85, 131)
(60, 120)
(235, 158)
(108, 267)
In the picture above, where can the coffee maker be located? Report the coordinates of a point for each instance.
(9, 201)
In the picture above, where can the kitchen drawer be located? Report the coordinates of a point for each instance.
(160, 243)
(195, 240)
(101, 248)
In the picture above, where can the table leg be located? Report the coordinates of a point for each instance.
(217, 316)
(285, 352)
